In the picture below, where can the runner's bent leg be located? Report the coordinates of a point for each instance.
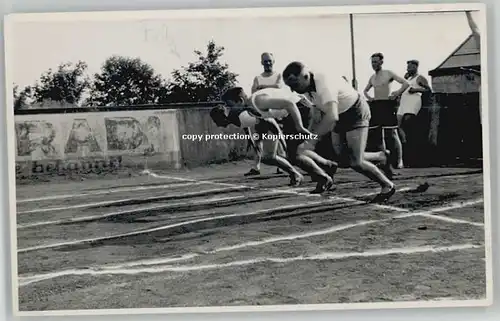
(356, 145)
(271, 158)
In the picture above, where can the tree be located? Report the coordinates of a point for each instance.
(204, 79)
(126, 81)
(21, 98)
(64, 85)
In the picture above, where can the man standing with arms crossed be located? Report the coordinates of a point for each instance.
(383, 107)
(269, 78)
(346, 115)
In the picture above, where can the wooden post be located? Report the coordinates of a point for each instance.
(353, 56)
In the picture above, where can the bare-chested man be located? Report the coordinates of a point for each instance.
(383, 105)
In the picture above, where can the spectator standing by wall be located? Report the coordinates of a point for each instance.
(267, 79)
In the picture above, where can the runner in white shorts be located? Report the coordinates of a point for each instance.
(348, 114)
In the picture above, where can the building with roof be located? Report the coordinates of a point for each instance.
(455, 121)
(449, 77)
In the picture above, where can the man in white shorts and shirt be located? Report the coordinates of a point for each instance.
(411, 100)
(273, 103)
(267, 79)
(346, 114)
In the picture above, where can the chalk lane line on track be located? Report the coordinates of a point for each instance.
(325, 256)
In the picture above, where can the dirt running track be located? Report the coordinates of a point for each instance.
(210, 237)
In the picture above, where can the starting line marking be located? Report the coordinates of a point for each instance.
(111, 190)
(426, 213)
(290, 191)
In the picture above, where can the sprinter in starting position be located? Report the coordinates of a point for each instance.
(346, 115)
(242, 118)
(273, 103)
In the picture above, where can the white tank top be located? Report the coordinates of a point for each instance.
(413, 83)
(268, 80)
(281, 93)
(410, 103)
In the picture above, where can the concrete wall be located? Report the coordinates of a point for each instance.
(106, 140)
(197, 121)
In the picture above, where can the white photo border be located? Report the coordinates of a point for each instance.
(11, 19)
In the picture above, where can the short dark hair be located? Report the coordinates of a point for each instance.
(270, 54)
(293, 68)
(232, 94)
(378, 55)
(413, 62)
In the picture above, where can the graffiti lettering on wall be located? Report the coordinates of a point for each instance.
(81, 139)
(68, 166)
(35, 138)
(89, 136)
(128, 134)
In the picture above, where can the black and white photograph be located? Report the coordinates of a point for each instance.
(264, 159)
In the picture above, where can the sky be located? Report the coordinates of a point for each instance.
(322, 43)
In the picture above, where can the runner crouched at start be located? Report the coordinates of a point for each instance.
(344, 111)
(242, 118)
(272, 103)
